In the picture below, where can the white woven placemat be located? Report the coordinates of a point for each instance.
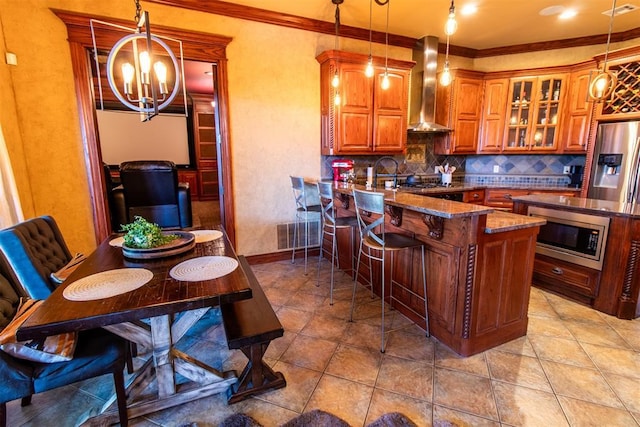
(206, 235)
(107, 284)
(117, 242)
(204, 268)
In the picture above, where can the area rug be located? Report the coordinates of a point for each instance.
(320, 419)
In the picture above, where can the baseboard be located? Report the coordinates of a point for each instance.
(280, 256)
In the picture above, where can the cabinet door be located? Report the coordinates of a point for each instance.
(547, 112)
(355, 124)
(493, 118)
(390, 111)
(205, 135)
(578, 113)
(518, 132)
(466, 114)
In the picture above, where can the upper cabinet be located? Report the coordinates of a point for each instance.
(576, 118)
(494, 109)
(459, 106)
(533, 113)
(358, 116)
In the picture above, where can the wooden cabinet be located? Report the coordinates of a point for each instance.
(191, 178)
(534, 108)
(493, 115)
(502, 198)
(555, 274)
(624, 102)
(475, 197)
(367, 119)
(460, 108)
(576, 118)
(206, 147)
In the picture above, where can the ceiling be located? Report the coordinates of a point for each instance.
(497, 23)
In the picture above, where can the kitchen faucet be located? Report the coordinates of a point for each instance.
(394, 174)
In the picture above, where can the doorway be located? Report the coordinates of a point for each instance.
(208, 48)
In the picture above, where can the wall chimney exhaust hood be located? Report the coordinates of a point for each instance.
(422, 99)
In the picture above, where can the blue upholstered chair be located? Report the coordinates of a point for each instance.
(98, 352)
(29, 252)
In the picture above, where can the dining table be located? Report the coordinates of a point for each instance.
(152, 300)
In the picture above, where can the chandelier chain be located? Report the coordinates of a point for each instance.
(138, 12)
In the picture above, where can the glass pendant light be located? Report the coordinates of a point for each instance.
(335, 81)
(451, 25)
(369, 70)
(385, 79)
(604, 81)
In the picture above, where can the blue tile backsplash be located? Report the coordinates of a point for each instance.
(531, 170)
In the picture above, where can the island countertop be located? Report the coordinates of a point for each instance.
(497, 221)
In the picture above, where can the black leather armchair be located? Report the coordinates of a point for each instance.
(150, 189)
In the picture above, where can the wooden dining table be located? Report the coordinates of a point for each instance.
(154, 316)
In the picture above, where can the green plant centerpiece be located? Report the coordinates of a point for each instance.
(142, 234)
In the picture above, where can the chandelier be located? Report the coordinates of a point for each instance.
(143, 79)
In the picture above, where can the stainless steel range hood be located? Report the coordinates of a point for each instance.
(422, 99)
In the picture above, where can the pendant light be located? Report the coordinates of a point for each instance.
(604, 81)
(335, 81)
(450, 27)
(148, 85)
(385, 79)
(369, 70)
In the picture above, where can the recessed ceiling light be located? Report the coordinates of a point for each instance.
(567, 14)
(552, 10)
(469, 9)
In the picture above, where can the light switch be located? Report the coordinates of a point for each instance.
(496, 168)
(11, 58)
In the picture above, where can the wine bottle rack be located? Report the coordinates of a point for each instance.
(625, 98)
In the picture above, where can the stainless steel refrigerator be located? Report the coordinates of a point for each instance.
(615, 172)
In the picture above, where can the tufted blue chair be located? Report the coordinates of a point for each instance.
(98, 352)
(29, 252)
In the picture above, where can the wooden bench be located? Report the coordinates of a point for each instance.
(250, 326)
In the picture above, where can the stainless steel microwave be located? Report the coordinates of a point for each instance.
(573, 237)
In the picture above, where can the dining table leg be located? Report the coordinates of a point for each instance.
(161, 342)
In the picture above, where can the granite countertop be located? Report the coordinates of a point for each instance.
(583, 204)
(499, 221)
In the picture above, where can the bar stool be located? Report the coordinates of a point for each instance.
(382, 242)
(307, 207)
(330, 226)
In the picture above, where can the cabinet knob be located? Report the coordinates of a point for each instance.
(557, 270)
(476, 196)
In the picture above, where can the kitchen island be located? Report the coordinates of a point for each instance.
(479, 265)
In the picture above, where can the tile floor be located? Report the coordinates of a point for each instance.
(576, 367)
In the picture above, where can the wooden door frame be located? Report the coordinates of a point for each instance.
(196, 46)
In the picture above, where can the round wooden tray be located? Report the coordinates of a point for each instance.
(183, 243)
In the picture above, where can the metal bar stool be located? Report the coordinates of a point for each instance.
(373, 203)
(307, 207)
(330, 226)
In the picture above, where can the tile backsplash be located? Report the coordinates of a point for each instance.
(535, 170)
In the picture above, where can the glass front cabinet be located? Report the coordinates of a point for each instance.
(533, 113)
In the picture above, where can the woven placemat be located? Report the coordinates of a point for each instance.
(117, 242)
(107, 284)
(204, 268)
(206, 235)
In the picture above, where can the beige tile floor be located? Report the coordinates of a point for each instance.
(575, 367)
